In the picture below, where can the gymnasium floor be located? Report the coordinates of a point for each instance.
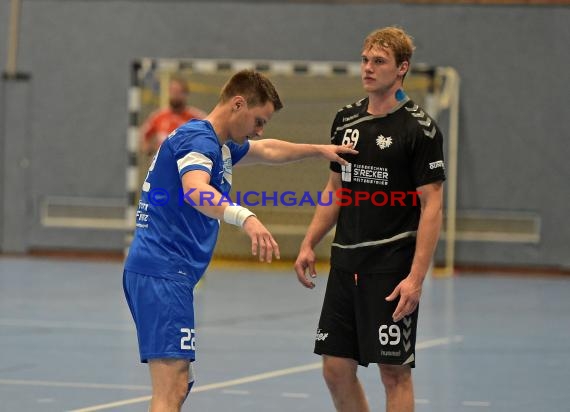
(67, 343)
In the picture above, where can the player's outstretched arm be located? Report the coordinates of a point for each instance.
(324, 219)
(274, 151)
(205, 198)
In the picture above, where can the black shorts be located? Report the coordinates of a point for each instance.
(356, 320)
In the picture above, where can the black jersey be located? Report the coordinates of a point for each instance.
(380, 208)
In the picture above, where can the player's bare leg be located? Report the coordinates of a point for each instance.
(169, 384)
(399, 388)
(344, 386)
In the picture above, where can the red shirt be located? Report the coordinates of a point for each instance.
(162, 122)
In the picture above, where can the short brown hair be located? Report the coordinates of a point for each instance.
(254, 87)
(392, 38)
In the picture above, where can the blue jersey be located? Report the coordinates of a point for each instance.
(173, 239)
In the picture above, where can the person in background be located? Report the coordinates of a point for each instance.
(162, 122)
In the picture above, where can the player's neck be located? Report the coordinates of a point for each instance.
(218, 120)
(383, 102)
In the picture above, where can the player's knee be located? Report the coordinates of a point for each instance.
(176, 394)
(171, 399)
(338, 373)
(395, 376)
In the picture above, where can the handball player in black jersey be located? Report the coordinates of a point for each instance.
(388, 213)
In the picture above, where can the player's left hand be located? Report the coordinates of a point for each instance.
(409, 291)
(262, 242)
(332, 152)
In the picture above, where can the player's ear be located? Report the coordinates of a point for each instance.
(238, 102)
(403, 69)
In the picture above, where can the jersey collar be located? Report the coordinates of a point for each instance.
(401, 97)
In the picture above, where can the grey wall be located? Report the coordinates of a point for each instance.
(513, 61)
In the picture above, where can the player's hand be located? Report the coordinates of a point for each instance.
(332, 152)
(306, 260)
(262, 242)
(409, 291)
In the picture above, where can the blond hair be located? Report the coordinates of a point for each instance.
(392, 38)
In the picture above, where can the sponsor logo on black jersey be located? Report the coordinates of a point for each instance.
(349, 118)
(435, 165)
(354, 172)
(384, 142)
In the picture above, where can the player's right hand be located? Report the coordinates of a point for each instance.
(306, 260)
(262, 242)
(332, 152)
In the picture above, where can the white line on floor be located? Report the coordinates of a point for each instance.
(295, 395)
(235, 392)
(476, 403)
(259, 377)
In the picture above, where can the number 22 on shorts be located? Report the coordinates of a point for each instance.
(188, 339)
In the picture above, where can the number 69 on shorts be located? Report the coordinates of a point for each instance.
(385, 333)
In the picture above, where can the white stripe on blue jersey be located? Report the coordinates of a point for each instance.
(194, 158)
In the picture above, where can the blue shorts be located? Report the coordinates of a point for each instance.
(164, 316)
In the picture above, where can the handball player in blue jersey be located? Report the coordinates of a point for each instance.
(183, 200)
